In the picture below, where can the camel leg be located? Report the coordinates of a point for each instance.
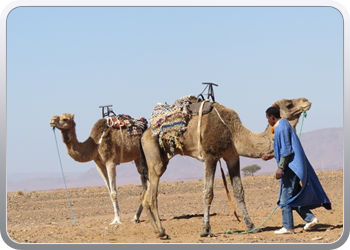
(150, 200)
(146, 204)
(156, 164)
(208, 194)
(137, 216)
(113, 192)
(105, 174)
(101, 169)
(238, 191)
(144, 187)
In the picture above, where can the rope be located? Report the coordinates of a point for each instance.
(64, 180)
(220, 116)
(228, 194)
(254, 229)
(234, 211)
(199, 127)
(302, 122)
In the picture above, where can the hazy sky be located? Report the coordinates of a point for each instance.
(74, 59)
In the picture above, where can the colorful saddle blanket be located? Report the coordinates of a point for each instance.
(168, 122)
(133, 126)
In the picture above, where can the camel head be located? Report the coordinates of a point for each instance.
(291, 109)
(63, 122)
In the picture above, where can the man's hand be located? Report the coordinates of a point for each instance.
(279, 173)
(267, 157)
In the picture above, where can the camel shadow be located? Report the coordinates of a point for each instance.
(320, 227)
(189, 216)
(181, 217)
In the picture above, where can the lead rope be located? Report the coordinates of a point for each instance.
(65, 184)
(234, 211)
(254, 229)
(302, 123)
(64, 180)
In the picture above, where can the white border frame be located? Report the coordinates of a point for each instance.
(169, 3)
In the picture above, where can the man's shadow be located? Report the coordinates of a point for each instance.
(320, 227)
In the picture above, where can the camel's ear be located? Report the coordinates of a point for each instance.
(73, 116)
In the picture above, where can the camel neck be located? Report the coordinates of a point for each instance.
(79, 151)
(246, 142)
(252, 144)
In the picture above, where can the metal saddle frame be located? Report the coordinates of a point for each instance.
(210, 94)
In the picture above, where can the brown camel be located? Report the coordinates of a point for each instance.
(107, 148)
(221, 137)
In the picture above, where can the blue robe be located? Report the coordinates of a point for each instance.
(286, 142)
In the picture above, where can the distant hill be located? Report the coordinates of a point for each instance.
(323, 147)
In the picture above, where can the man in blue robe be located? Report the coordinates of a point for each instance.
(300, 188)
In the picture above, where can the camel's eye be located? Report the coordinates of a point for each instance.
(290, 106)
(65, 119)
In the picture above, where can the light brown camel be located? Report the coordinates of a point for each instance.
(104, 147)
(218, 140)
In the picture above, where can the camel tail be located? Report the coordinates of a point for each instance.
(144, 166)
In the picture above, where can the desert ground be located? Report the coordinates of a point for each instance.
(45, 216)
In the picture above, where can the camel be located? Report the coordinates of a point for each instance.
(222, 135)
(107, 148)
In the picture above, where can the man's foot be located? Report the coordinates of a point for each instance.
(310, 224)
(284, 230)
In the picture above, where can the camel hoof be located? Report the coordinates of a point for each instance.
(135, 220)
(115, 222)
(164, 237)
(209, 235)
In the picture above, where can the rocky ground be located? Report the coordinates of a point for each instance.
(45, 216)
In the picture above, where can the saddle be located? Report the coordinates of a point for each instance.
(133, 126)
(169, 122)
(208, 106)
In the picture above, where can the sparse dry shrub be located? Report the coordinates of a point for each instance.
(19, 192)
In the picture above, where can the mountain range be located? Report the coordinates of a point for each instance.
(323, 147)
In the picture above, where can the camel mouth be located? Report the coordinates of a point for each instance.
(297, 113)
(307, 108)
(52, 124)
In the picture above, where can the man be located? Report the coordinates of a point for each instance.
(300, 188)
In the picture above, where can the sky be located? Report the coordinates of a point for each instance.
(75, 59)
